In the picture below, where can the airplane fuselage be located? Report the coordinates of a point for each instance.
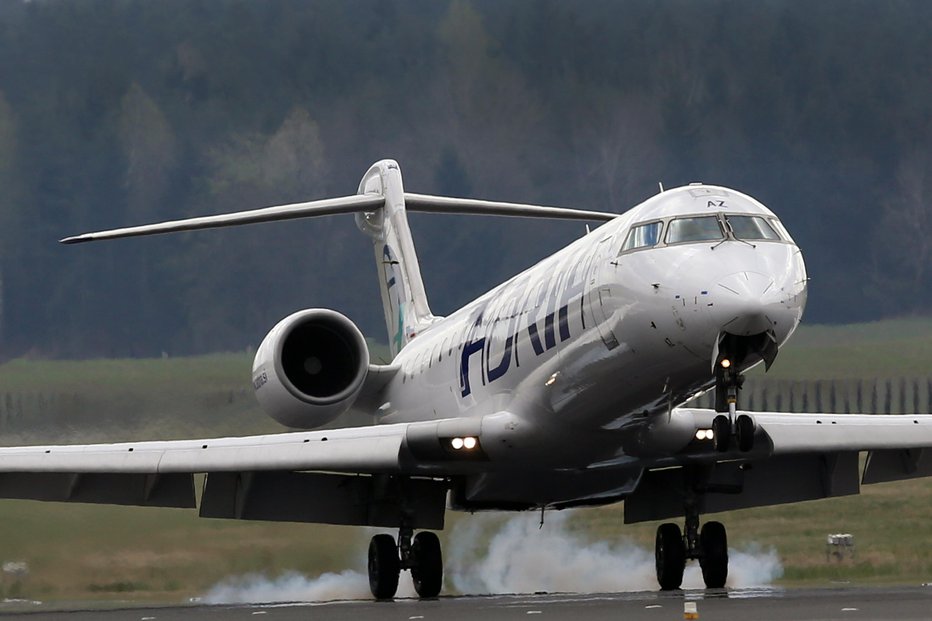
(595, 336)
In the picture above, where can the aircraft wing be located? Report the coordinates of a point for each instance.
(370, 449)
(786, 434)
(796, 457)
(337, 476)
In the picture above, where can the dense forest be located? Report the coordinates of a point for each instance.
(115, 112)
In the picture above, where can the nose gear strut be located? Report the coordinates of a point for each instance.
(729, 427)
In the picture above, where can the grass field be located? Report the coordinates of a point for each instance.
(105, 553)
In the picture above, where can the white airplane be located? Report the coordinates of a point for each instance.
(561, 387)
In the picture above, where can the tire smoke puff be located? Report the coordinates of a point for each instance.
(518, 557)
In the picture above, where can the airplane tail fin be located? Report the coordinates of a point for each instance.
(380, 206)
(404, 300)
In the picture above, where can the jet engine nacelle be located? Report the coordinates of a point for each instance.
(310, 368)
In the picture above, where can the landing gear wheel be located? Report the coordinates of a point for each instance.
(427, 570)
(670, 556)
(744, 429)
(713, 543)
(721, 433)
(384, 566)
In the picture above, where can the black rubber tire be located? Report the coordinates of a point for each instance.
(427, 570)
(744, 429)
(713, 544)
(670, 556)
(721, 433)
(384, 567)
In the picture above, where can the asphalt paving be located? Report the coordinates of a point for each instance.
(765, 604)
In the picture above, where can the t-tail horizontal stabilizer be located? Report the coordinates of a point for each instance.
(380, 205)
(347, 204)
(326, 207)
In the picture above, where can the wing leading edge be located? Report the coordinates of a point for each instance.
(358, 450)
(788, 434)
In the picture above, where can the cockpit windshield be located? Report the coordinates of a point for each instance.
(643, 236)
(698, 228)
(751, 227)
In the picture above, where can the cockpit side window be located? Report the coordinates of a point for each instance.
(643, 236)
(698, 228)
(751, 227)
(781, 230)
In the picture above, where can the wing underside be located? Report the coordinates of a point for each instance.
(337, 476)
(797, 457)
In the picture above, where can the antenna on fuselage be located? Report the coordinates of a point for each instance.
(660, 183)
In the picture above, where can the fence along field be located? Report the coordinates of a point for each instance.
(905, 395)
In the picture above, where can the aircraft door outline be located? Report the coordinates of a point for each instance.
(600, 292)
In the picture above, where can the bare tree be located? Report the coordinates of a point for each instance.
(902, 248)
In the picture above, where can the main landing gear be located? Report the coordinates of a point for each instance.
(728, 428)
(709, 546)
(420, 554)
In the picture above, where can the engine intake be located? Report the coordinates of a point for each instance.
(310, 368)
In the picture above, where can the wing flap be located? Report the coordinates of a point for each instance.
(733, 485)
(897, 465)
(322, 499)
(152, 490)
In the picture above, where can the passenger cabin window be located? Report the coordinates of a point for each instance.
(699, 228)
(643, 236)
(751, 227)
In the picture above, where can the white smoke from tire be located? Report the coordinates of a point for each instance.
(521, 557)
(517, 557)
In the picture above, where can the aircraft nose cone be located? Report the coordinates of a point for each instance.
(746, 302)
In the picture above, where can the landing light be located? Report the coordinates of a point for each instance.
(704, 434)
(468, 443)
(725, 363)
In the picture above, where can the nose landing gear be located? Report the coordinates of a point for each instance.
(729, 427)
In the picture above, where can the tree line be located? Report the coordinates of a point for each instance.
(115, 112)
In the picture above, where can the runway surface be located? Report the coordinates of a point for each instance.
(901, 603)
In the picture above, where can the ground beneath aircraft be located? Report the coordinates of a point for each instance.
(764, 604)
